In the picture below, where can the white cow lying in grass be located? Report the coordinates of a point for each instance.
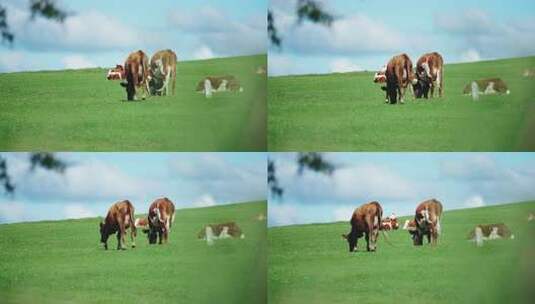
(213, 84)
(213, 232)
(482, 233)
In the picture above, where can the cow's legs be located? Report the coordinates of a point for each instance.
(160, 236)
(133, 236)
(173, 79)
(120, 236)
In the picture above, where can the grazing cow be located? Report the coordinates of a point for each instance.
(212, 84)
(116, 73)
(427, 222)
(365, 220)
(531, 216)
(136, 70)
(399, 74)
(163, 72)
(487, 86)
(390, 223)
(119, 218)
(142, 223)
(429, 75)
(161, 217)
(409, 225)
(482, 233)
(213, 232)
(380, 76)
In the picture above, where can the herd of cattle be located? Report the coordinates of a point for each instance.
(138, 75)
(156, 225)
(367, 221)
(398, 75)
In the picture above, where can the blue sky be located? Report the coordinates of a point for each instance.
(399, 181)
(368, 33)
(103, 33)
(93, 181)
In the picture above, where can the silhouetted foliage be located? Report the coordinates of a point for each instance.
(312, 161)
(273, 183)
(310, 10)
(48, 161)
(38, 8)
(5, 180)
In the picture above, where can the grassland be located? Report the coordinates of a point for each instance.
(311, 263)
(346, 112)
(79, 110)
(63, 262)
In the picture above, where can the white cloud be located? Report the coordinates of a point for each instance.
(212, 173)
(221, 32)
(470, 55)
(343, 213)
(11, 212)
(77, 62)
(11, 61)
(206, 200)
(341, 38)
(490, 36)
(343, 65)
(87, 31)
(280, 215)
(203, 52)
(75, 211)
(474, 201)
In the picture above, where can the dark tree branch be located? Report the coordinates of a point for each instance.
(273, 183)
(47, 161)
(310, 10)
(314, 161)
(5, 180)
(38, 8)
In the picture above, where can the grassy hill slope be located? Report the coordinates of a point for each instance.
(79, 110)
(346, 112)
(311, 263)
(63, 262)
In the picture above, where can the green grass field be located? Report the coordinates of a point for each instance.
(347, 112)
(311, 263)
(63, 262)
(79, 110)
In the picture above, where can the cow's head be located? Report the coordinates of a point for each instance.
(155, 228)
(352, 239)
(104, 234)
(421, 88)
(116, 73)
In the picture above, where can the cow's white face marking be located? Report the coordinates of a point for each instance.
(224, 233)
(478, 236)
(494, 234)
(207, 88)
(209, 235)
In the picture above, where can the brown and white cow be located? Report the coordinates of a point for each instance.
(136, 75)
(163, 72)
(365, 221)
(399, 74)
(482, 233)
(487, 86)
(390, 223)
(427, 222)
(161, 217)
(119, 218)
(116, 73)
(213, 232)
(212, 84)
(429, 75)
